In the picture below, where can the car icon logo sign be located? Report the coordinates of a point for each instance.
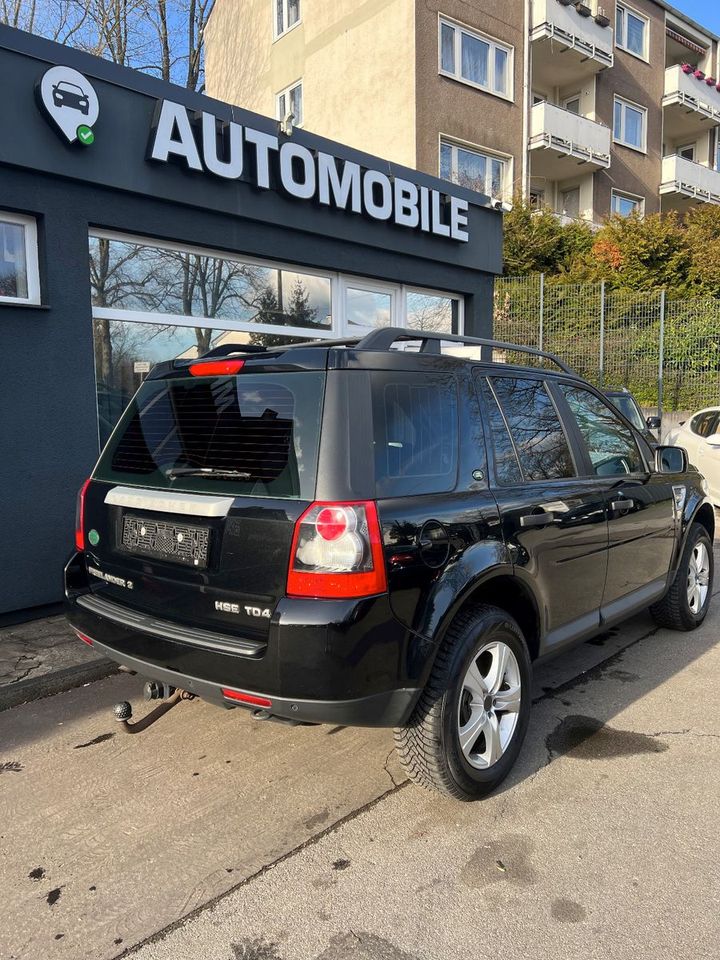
(70, 102)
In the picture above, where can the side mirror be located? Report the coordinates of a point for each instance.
(671, 460)
(654, 423)
(714, 440)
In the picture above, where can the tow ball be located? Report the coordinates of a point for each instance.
(170, 696)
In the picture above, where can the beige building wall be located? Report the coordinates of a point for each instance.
(642, 83)
(457, 110)
(356, 61)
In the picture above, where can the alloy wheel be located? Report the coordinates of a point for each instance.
(698, 581)
(489, 705)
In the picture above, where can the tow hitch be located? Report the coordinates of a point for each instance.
(152, 691)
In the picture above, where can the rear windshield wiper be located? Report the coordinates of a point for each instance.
(207, 472)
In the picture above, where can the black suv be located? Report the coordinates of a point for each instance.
(348, 533)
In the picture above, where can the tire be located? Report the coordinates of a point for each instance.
(430, 747)
(675, 609)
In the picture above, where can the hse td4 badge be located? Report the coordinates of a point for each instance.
(70, 102)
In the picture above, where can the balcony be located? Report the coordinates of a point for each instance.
(684, 181)
(691, 106)
(562, 141)
(567, 46)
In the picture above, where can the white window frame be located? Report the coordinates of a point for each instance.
(338, 287)
(507, 160)
(277, 34)
(623, 9)
(626, 196)
(285, 92)
(32, 264)
(634, 106)
(461, 28)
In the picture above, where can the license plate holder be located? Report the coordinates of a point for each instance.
(174, 542)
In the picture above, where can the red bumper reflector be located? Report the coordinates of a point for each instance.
(216, 368)
(84, 638)
(246, 698)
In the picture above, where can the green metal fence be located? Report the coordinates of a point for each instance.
(667, 352)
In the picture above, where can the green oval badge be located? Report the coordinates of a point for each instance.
(94, 537)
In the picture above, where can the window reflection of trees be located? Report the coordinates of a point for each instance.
(138, 277)
(607, 437)
(535, 427)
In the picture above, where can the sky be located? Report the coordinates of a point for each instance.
(705, 12)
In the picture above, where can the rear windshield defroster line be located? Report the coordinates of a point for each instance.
(248, 435)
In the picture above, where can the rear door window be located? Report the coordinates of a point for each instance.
(507, 466)
(535, 427)
(415, 427)
(252, 435)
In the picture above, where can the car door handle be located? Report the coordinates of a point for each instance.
(622, 506)
(543, 519)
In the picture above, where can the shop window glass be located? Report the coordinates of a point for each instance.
(18, 259)
(368, 308)
(429, 311)
(132, 276)
(126, 351)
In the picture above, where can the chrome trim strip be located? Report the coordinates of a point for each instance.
(168, 501)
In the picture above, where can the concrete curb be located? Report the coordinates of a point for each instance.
(56, 681)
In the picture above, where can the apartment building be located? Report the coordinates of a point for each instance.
(587, 108)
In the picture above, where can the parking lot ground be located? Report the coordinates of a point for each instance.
(214, 836)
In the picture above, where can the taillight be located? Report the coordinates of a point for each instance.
(80, 517)
(252, 698)
(216, 368)
(337, 552)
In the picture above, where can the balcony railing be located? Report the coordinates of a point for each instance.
(569, 135)
(685, 90)
(690, 179)
(563, 22)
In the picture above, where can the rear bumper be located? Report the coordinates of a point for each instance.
(337, 662)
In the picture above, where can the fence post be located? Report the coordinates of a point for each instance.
(542, 310)
(661, 363)
(602, 333)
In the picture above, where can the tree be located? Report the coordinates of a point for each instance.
(537, 242)
(299, 313)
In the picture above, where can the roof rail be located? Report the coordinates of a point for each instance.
(383, 338)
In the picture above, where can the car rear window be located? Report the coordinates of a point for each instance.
(415, 423)
(252, 435)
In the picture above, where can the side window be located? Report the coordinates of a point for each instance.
(704, 424)
(507, 468)
(535, 428)
(415, 428)
(611, 446)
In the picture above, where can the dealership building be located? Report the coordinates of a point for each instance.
(140, 222)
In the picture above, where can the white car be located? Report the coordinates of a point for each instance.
(700, 435)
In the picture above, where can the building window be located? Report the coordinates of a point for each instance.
(629, 124)
(290, 100)
(19, 274)
(687, 152)
(483, 172)
(570, 203)
(625, 204)
(286, 14)
(631, 31)
(480, 61)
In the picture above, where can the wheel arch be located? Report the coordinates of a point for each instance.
(509, 593)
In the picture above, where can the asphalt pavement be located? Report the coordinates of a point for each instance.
(215, 836)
